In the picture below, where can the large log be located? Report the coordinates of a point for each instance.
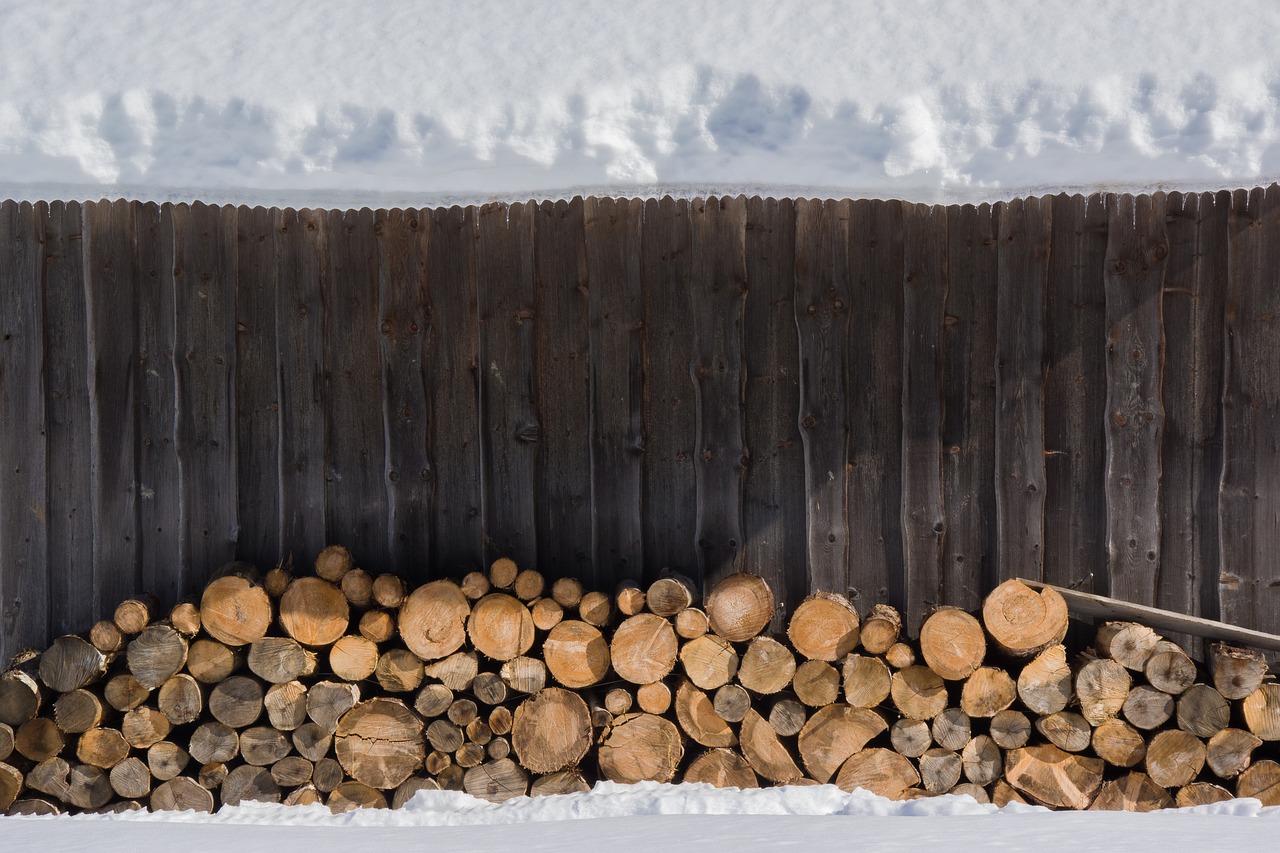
(1203, 711)
(1054, 777)
(644, 649)
(952, 643)
(380, 742)
(314, 612)
(722, 768)
(551, 730)
(739, 607)
(764, 752)
(1230, 752)
(1023, 621)
(496, 781)
(433, 620)
(767, 666)
(576, 654)
(880, 771)
(1175, 758)
(824, 627)
(500, 627)
(236, 702)
(709, 661)
(70, 663)
(235, 610)
(833, 734)
(640, 748)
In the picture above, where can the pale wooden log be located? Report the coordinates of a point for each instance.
(1002, 793)
(952, 643)
(165, 760)
(739, 607)
(1068, 731)
(564, 782)
(524, 674)
(389, 590)
(546, 614)
(1262, 782)
(20, 697)
(1203, 712)
(629, 597)
(292, 771)
(654, 698)
(156, 654)
(124, 693)
(1201, 794)
(1236, 672)
(263, 746)
(1118, 743)
(214, 743)
(379, 742)
(1044, 684)
(70, 663)
(1175, 758)
(767, 666)
(987, 692)
(940, 770)
(327, 701)
(698, 718)
(432, 700)
(235, 611)
(248, 783)
(1147, 708)
(867, 681)
(490, 689)
(334, 562)
(314, 612)
(969, 789)
(918, 692)
(576, 654)
(692, 623)
(951, 729)
(644, 649)
(39, 739)
(399, 671)
(134, 614)
(1010, 729)
(478, 732)
(277, 580)
(722, 768)
(209, 661)
(6, 741)
(1170, 669)
(1054, 777)
(353, 658)
(100, 747)
(1230, 751)
(596, 608)
(462, 712)
(212, 775)
(357, 588)
(144, 726)
(567, 592)
(764, 752)
(433, 620)
(500, 627)
(28, 806)
(457, 671)
(880, 629)
(130, 779)
(528, 585)
(502, 572)
(286, 705)
(11, 785)
(1102, 686)
(1133, 792)
(237, 701)
(377, 626)
(1023, 621)
(900, 656)
(551, 730)
(731, 702)
(816, 683)
(326, 775)
(475, 585)
(106, 637)
(911, 737)
(787, 716)
(982, 759)
(880, 771)
(1261, 710)
(409, 788)
(180, 699)
(498, 748)
(88, 787)
(312, 741)
(76, 712)
(1127, 643)
(824, 627)
(639, 748)
(496, 781)
(709, 661)
(833, 734)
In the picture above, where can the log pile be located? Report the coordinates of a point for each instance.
(356, 691)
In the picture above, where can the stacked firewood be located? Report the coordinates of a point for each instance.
(357, 691)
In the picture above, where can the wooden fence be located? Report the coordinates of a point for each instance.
(903, 402)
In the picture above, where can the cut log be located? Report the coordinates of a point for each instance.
(692, 623)
(576, 654)
(567, 592)
(50, 777)
(433, 620)
(654, 698)
(399, 671)
(211, 776)
(952, 643)
(1201, 794)
(940, 770)
(1127, 643)
(379, 742)
(1236, 672)
(496, 781)
(124, 693)
(1118, 743)
(1230, 752)
(731, 702)
(1044, 685)
(918, 692)
(546, 614)
(292, 771)
(11, 785)
(866, 681)
(1010, 729)
(334, 562)
(326, 775)
(144, 726)
(209, 661)
(595, 608)
(277, 580)
(214, 743)
(1261, 710)
(969, 789)
(498, 748)
(377, 626)
(740, 607)
(1102, 686)
(475, 585)
(816, 683)
(709, 661)
(1054, 777)
(787, 716)
(764, 752)
(766, 667)
(880, 629)
(478, 731)
(74, 712)
(20, 697)
(1147, 708)
(457, 671)
(106, 637)
(247, 783)
(629, 597)
(314, 612)
(389, 590)
(1262, 782)
(502, 572)
(722, 768)
(469, 755)
(130, 779)
(6, 741)
(463, 712)
(166, 760)
(551, 730)
(670, 594)
(640, 748)
(327, 701)
(279, 660)
(88, 787)
(409, 789)
(833, 734)
(235, 611)
(1133, 792)
(951, 729)
(236, 702)
(1170, 669)
(134, 614)
(900, 656)
(353, 658)
(1203, 712)
(1002, 793)
(436, 761)
(312, 741)
(263, 746)
(100, 747)
(643, 649)
(357, 588)
(911, 738)
(39, 739)
(524, 674)
(28, 806)
(824, 627)
(880, 771)
(983, 761)
(70, 663)
(180, 699)
(1022, 621)
(564, 782)
(1067, 731)
(1175, 758)
(698, 718)
(500, 627)
(432, 700)
(489, 688)
(286, 705)
(528, 585)
(987, 692)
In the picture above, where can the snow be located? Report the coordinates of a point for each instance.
(397, 103)
(647, 817)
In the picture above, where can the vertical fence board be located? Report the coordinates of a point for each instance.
(669, 497)
(874, 404)
(24, 607)
(774, 502)
(453, 399)
(300, 337)
(613, 233)
(718, 293)
(1025, 227)
(1074, 400)
(509, 420)
(402, 319)
(562, 351)
(1249, 503)
(257, 399)
(968, 410)
(1137, 251)
(110, 297)
(66, 403)
(925, 294)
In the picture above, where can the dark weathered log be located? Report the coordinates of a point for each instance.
(277, 580)
(357, 588)
(249, 783)
(327, 701)
(1203, 712)
(180, 699)
(279, 660)
(166, 759)
(20, 697)
(236, 702)
(910, 737)
(75, 712)
(214, 743)
(731, 702)
(787, 716)
(432, 700)
(490, 689)
(286, 705)
(567, 592)
(327, 775)
(263, 746)
(312, 741)
(212, 775)
(389, 590)
(70, 663)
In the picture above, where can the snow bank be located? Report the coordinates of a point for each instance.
(425, 103)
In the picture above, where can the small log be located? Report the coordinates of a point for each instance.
(389, 590)
(787, 716)
(124, 693)
(951, 729)
(654, 698)
(1102, 686)
(983, 761)
(39, 739)
(247, 783)
(432, 700)
(457, 671)
(1044, 685)
(312, 741)
(709, 661)
(27, 806)
(212, 775)
(1203, 712)
(1230, 752)
(130, 779)
(867, 681)
(1023, 621)
(100, 747)
(357, 588)
(462, 712)
(436, 761)
(816, 683)
(353, 658)
(1127, 643)
(76, 712)
(235, 611)
(334, 562)
(918, 692)
(180, 699)
(134, 614)
(564, 782)
(502, 572)
(670, 594)
(900, 656)
(1133, 792)
(698, 718)
(166, 760)
(910, 737)
(277, 580)
(1170, 669)
(185, 618)
(833, 734)
(327, 701)
(286, 705)
(214, 743)
(824, 627)
(1147, 708)
(940, 770)
(764, 752)
(528, 585)
(1010, 729)
(469, 755)
(1236, 672)
(595, 608)
(475, 585)
(106, 637)
(263, 746)
(629, 598)
(500, 627)
(1118, 743)
(1068, 731)
(1054, 777)
(20, 697)
(236, 702)
(379, 742)
(731, 702)
(478, 732)
(987, 692)
(576, 654)
(880, 771)
(377, 626)
(433, 620)
(1201, 794)
(766, 667)
(1261, 710)
(1175, 758)
(292, 771)
(644, 649)
(952, 643)
(546, 614)
(399, 671)
(739, 607)
(692, 623)
(144, 726)
(721, 768)
(156, 654)
(551, 730)
(498, 748)
(880, 629)
(567, 592)
(969, 789)
(1262, 782)
(209, 661)
(326, 775)
(71, 663)
(524, 674)
(409, 788)
(490, 689)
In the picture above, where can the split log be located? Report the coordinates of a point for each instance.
(654, 698)
(496, 781)
(1118, 743)
(166, 760)
(731, 702)
(567, 592)
(629, 598)
(640, 748)
(236, 702)
(564, 782)
(698, 718)
(263, 746)
(880, 629)
(1054, 777)
(130, 779)
(824, 627)
(377, 626)
(1102, 686)
(99, 747)
(500, 627)
(286, 705)
(546, 614)
(212, 775)
(900, 656)
(524, 674)
(940, 770)
(576, 654)
(951, 729)
(740, 607)
(248, 783)
(209, 661)
(867, 681)
(1067, 731)
(50, 777)
(1262, 782)
(1203, 712)
(911, 738)
(644, 649)
(816, 683)
(880, 771)
(952, 643)
(124, 693)
(214, 743)
(1023, 621)
(709, 661)
(106, 637)
(235, 611)
(357, 588)
(180, 699)
(353, 658)
(327, 701)
(670, 594)
(144, 726)
(1175, 758)
(764, 752)
(134, 614)
(692, 623)
(987, 692)
(502, 572)
(1147, 708)
(918, 692)
(1127, 643)
(787, 716)
(1170, 669)
(70, 663)
(722, 768)
(399, 671)
(1010, 729)
(379, 742)
(433, 620)
(833, 734)
(1261, 710)
(983, 761)
(314, 612)
(20, 697)
(312, 741)
(1236, 672)
(1044, 685)
(334, 562)
(475, 585)
(389, 590)
(595, 608)
(766, 667)
(436, 761)
(1133, 792)
(457, 671)
(1201, 794)
(76, 712)
(1230, 752)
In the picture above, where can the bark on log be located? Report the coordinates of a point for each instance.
(20, 697)
(1236, 672)
(880, 629)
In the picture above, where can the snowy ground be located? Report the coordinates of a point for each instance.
(339, 103)
(645, 818)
